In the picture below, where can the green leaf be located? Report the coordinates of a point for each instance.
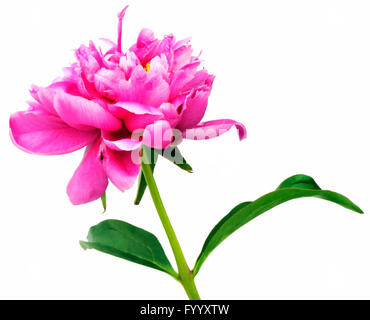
(104, 201)
(142, 182)
(174, 155)
(126, 241)
(297, 186)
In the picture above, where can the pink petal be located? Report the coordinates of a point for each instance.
(199, 79)
(88, 58)
(125, 144)
(108, 42)
(136, 123)
(34, 106)
(84, 114)
(195, 106)
(89, 181)
(121, 167)
(158, 135)
(181, 43)
(42, 133)
(107, 82)
(179, 80)
(165, 47)
(120, 141)
(135, 115)
(46, 99)
(182, 57)
(124, 109)
(146, 46)
(120, 18)
(215, 128)
(171, 112)
(145, 38)
(128, 63)
(150, 88)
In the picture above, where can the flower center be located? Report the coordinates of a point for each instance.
(147, 67)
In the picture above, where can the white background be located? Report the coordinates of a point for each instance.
(296, 73)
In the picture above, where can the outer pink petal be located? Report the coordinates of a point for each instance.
(84, 114)
(215, 128)
(42, 133)
(195, 106)
(158, 135)
(121, 167)
(89, 181)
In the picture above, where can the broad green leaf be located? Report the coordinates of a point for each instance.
(297, 186)
(126, 241)
(142, 182)
(104, 201)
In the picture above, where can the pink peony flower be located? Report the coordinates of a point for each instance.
(112, 103)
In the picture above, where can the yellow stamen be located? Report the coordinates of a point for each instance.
(147, 67)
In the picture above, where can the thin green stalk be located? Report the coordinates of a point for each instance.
(186, 276)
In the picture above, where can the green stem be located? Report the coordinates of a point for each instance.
(186, 276)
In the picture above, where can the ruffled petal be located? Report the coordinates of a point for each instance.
(128, 63)
(182, 54)
(107, 82)
(84, 114)
(46, 99)
(42, 133)
(121, 167)
(89, 181)
(151, 87)
(215, 128)
(195, 106)
(146, 46)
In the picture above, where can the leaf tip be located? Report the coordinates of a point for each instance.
(359, 210)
